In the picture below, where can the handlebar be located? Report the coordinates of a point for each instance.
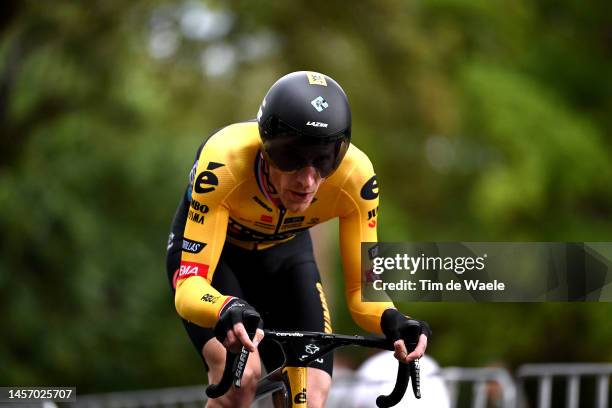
(401, 383)
(235, 363)
(219, 389)
(405, 372)
(232, 373)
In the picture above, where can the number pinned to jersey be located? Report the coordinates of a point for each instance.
(314, 78)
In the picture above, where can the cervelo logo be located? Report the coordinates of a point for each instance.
(289, 334)
(188, 269)
(316, 124)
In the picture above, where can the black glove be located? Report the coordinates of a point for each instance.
(394, 324)
(237, 311)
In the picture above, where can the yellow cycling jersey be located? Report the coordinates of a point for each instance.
(230, 201)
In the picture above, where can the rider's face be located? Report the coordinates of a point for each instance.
(296, 189)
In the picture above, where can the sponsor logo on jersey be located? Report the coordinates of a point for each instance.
(313, 221)
(207, 180)
(372, 213)
(243, 233)
(319, 103)
(266, 218)
(292, 220)
(300, 397)
(260, 202)
(314, 78)
(195, 217)
(316, 124)
(191, 246)
(369, 191)
(189, 269)
(197, 206)
(372, 217)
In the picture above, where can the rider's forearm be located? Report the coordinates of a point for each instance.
(197, 301)
(366, 314)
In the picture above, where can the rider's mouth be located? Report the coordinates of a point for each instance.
(300, 196)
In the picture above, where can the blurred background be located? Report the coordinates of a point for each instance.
(486, 121)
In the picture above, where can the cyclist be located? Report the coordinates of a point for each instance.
(239, 249)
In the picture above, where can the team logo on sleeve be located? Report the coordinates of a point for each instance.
(210, 298)
(369, 191)
(193, 247)
(207, 180)
(189, 269)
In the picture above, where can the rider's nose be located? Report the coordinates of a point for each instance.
(307, 176)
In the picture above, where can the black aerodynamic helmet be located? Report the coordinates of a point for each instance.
(305, 120)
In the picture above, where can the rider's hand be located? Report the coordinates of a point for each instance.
(230, 328)
(392, 322)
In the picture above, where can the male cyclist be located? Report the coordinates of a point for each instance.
(240, 232)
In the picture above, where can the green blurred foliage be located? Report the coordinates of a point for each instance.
(485, 121)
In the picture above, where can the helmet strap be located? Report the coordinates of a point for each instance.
(269, 190)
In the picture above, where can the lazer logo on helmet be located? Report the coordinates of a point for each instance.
(316, 124)
(319, 103)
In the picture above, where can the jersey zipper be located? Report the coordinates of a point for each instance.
(280, 220)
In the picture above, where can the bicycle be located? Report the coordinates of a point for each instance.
(288, 382)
